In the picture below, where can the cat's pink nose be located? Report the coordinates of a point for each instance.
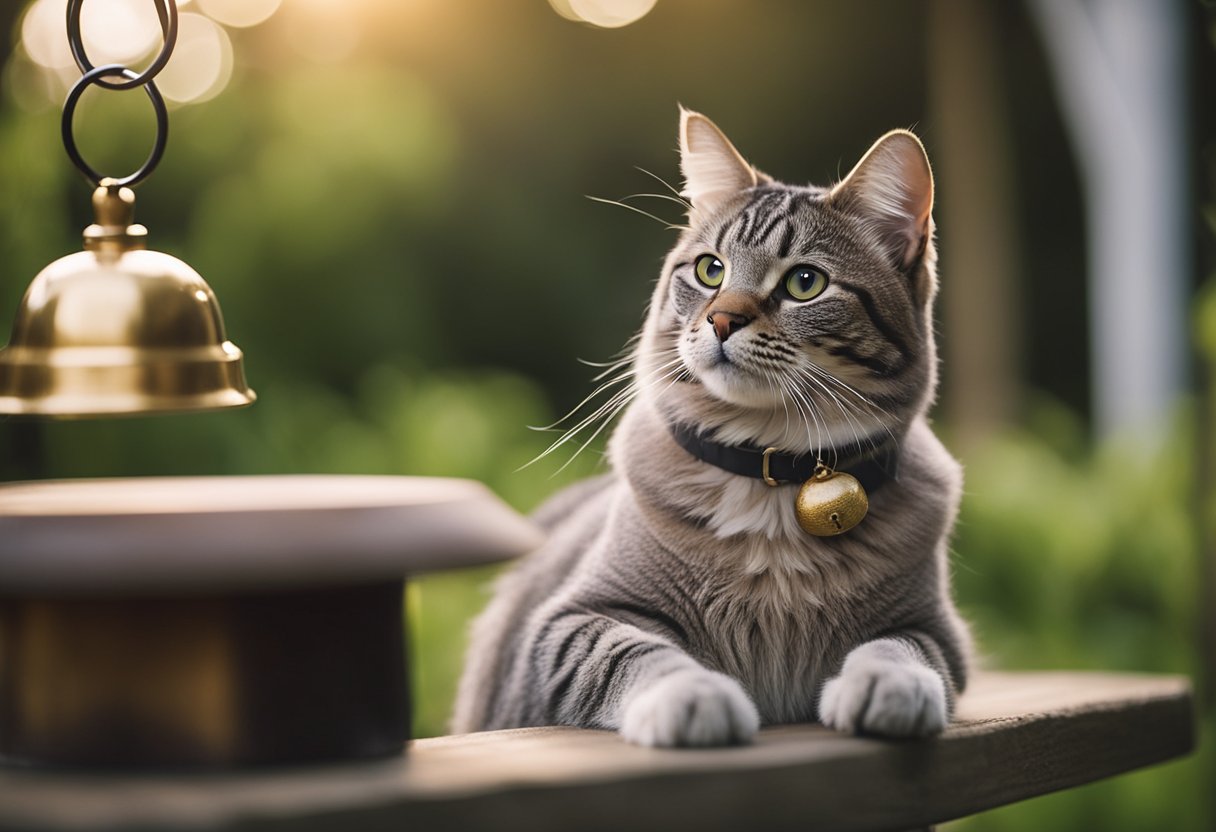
(726, 323)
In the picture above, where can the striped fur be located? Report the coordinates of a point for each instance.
(683, 605)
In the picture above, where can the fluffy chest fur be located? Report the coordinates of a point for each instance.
(772, 606)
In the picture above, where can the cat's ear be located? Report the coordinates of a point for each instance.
(713, 170)
(892, 188)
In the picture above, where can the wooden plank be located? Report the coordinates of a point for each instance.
(166, 534)
(1017, 735)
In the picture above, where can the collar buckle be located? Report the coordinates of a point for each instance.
(764, 473)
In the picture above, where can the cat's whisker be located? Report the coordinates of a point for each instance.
(864, 407)
(774, 381)
(850, 421)
(884, 419)
(625, 375)
(608, 410)
(666, 185)
(636, 210)
(799, 397)
(770, 380)
(819, 378)
(619, 398)
(628, 362)
(623, 395)
(657, 196)
(673, 374)
(623, 357)
(813, 443)
(847, 388)
(589, 440)
(609, 365)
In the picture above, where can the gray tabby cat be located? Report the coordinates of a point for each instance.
(682, 604)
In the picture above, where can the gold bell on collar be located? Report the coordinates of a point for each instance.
(830, 502)
(119, 330)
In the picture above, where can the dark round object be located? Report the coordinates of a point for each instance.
(94, 76)
(166, 10)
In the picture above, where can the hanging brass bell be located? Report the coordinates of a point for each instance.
(830, 503)
(119, 330)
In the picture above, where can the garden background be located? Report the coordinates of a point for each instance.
(388, 198)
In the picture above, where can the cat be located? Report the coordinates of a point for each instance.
(681, 603)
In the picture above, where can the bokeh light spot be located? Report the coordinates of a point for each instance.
(116, 31)
(201, 64)
(610, 14)
(31, 87)
(44, 35)
(562, 7)
(239, 13)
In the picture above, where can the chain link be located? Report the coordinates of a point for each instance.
(166, 10)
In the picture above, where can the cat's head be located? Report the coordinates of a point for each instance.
(799, 315)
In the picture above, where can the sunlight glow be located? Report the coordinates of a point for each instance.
(44, 36)
(114, 32)
(239, 13)
(128, 32)
(562, 7)
(608, 14)
(321, 31)
(202, 62)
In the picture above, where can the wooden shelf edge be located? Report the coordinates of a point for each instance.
(1020, 735)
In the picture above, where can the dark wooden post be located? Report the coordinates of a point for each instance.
(969, 137)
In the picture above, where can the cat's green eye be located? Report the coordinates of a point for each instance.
(710, 270)
(805, 282)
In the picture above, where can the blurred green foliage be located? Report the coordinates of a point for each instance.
(1067, 558)
(401, 247)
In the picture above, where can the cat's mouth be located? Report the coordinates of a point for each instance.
(726, 373)
(734, 383)
(720, 357)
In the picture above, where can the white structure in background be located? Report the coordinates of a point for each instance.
(1119, 71)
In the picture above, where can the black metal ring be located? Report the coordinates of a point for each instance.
(166, 10)
(158, 105)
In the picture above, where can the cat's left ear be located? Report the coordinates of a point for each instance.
(892, 188)
(713, 170)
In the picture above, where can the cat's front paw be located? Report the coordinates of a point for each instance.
(690, 708)
(888, 698)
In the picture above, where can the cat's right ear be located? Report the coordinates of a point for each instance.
(892, 189)
(713, 170)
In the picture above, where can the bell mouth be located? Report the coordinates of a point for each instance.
(82, 382)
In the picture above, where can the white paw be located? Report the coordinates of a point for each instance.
(891, 699)
(688, 708)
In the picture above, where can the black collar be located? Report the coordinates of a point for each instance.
(871, 463)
